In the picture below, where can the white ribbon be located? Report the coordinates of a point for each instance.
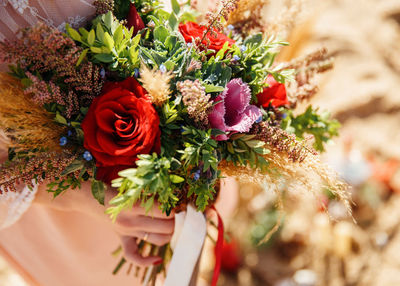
(187, 243)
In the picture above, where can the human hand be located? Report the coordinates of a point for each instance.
(133, 225)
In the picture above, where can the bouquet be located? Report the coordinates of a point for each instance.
(161, 107)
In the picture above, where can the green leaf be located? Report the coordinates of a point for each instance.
(82, 57)
(148, 205)
(83, 32)
(73, 167)
(60, 119)
(98, 191)
(175, 6)
(255, 143)
(118, 35)
(161, 33)
(105, 58)
(108, 20)
(262, 151)
(100, 32)
(213, 88)
(173, 21)
(188, 17)
(96, 50)
(108, 41)
(221, 52)
(72, 33)
(169, 65)
(254, 39)
(135, 40)
(176, 179)
(91, 38)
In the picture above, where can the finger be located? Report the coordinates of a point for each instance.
(132, 254)
(155, 238)
(154, 212)
(128, 226)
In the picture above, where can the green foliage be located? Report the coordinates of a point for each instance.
(72, 176)
(59, 186)
(121, 9)
(69, 178)
(98, 190)
(199, 147)
(244, 150)
(144, 8)
(164, 45)
(170, 122)
(163, 178)
(256, 62)
(109, 43)
(321, 126)
(150, 181)
(216, 72)
(200, 158)
(187, 167)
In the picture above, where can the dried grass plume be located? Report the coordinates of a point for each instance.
(27, 125)
(156, 83)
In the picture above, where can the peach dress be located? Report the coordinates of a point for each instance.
(51, 247)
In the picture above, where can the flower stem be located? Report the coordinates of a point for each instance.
(120, 264)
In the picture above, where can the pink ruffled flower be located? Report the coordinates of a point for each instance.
(234, 113)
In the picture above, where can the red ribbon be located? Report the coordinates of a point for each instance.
(218, 249)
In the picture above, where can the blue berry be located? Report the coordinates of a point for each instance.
(69, 133)
(197, 175)
(231, 27)
(163, 69)
(103, 73)
(63, 141)
(259, 119)
(87, 156)
(243, 48)
(236, 58)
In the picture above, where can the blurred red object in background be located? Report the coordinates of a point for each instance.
(231, 257)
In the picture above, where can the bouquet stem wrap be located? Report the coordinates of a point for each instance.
(187, 243)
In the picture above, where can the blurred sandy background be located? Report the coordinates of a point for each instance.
(363, 93)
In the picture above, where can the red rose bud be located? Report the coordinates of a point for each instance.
(216, 40)
(274, 94)
(121, 123)
(134, 19)
(231, 259)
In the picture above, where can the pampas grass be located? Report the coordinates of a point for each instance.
(26, 125)
(309, 175)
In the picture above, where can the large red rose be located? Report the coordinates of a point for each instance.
(121, 123)
(192, 30)
(274, 94)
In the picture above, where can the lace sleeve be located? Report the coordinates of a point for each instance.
(14, 204)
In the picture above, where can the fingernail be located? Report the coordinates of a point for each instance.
(157, 262)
